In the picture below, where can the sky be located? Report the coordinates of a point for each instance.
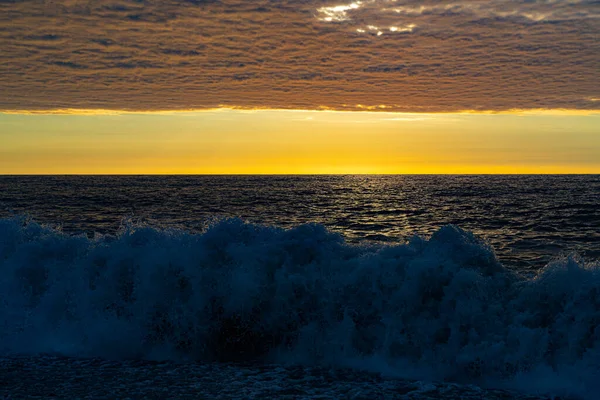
(299, 142)
(299, 86)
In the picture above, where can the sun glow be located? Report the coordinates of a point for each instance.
(226, 141)
(337, 13)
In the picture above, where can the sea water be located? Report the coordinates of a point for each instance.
(432, 283)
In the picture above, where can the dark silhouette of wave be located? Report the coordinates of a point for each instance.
(441, 307)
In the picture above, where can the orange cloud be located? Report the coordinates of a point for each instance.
(405, 55)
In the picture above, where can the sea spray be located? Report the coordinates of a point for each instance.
(439, 308)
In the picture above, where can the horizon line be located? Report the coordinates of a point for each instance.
(317, 174)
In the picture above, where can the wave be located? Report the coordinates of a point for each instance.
(440, 308)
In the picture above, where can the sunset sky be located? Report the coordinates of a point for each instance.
(290, 86)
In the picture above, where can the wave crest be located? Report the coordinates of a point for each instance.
(443, 307)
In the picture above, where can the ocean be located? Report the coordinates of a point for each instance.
(300, 286)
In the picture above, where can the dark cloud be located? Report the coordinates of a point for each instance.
(406, 55)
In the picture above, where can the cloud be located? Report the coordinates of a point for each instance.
(411, 56)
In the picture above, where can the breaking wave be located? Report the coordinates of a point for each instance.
(439, 308)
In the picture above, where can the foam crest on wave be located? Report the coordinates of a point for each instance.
(440, 308)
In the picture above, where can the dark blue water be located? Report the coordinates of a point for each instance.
(527, 219)
(500, 288)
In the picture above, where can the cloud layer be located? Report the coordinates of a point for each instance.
(403, 55)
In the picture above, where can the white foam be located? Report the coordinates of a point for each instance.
(437, 308)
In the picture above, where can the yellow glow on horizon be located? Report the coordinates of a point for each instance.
(228, 141)
(440, 170)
